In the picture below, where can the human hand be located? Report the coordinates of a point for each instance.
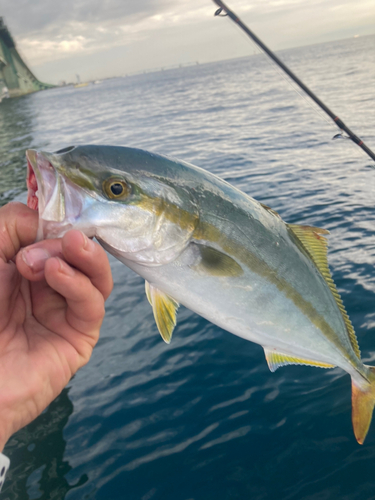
(52, 297)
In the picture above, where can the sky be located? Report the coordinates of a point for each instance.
(104, 38)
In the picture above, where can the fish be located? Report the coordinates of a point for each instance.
(198, 241)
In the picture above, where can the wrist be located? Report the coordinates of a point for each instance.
(3, 440)
(6, 425)
(2, 445)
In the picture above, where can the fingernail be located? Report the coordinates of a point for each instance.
(35, 258)
(65, 268)
(88, 244)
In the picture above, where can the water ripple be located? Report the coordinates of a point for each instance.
(203, 418)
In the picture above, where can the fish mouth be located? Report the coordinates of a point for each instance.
(41, 181)
(51, 195)
(31, 182)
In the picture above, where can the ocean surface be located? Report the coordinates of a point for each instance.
(203, 418)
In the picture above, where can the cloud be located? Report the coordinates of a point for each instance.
(27, 16)
(47, 32)
(55, 31)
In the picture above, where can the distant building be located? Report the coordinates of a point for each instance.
(14, 74)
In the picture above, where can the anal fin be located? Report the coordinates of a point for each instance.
(164, 308)
(276, 359)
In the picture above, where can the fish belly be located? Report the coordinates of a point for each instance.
(247, 306)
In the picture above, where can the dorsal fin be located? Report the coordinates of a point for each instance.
(275, 359)
(316, 246)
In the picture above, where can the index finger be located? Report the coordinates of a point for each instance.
(18, 228)
(90, 258)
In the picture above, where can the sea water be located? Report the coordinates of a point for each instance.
(203, 418)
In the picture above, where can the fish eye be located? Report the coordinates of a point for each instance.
(116, 188)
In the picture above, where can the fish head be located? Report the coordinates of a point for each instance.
(131, 200)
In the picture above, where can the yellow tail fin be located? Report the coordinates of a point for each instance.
(363, 401)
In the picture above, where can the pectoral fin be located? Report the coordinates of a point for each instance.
(276, 359)
(164, 309)
(216, 263)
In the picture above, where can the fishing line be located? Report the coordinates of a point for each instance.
(224, 11)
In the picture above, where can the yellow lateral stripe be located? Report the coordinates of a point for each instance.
(202, 230)
(208, 232)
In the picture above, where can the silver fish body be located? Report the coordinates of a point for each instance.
(201, 242)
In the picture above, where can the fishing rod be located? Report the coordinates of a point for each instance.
(335, 118)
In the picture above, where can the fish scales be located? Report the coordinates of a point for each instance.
(268, 252)
(200, 242)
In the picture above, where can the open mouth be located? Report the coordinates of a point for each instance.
(44, 192)
(31, 182)
(57, 200)
(41, 184)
